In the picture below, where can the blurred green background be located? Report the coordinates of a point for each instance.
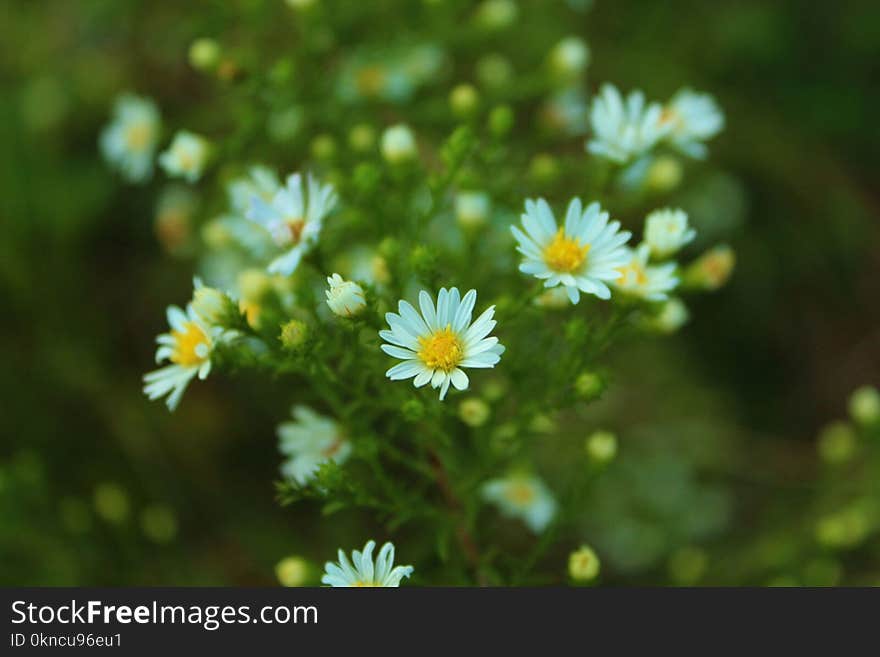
(718, 479)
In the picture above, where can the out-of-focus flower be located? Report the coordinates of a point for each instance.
(389, 74)
(174, 218)
(622, 130)
(129, 142)
(494, 71)
(159, 523)
(345, 298)
(664, 174)
(666, 231)
(639, 279)
(691, 119)
(567, 112)
(497, 14)
(864, 405)
(292, 571)
(583, 564)
(362, 137)
(111, 503)
(309, 441)
(464, 100)
(474, 412)
(589, 385)
(398, 144)
(260, 181)
(293, 219)
(556, 298)
(672, 316)
(361, 571)
(601, 446)
(204, 54)
(294, 334)
(472, 209)
(186, 157)
(439, 343)
(522, 496)
(582, 255)
(188, 347)
(837, 443)
(712, 269)
(845, 528)
(569, 58)
(210, 304)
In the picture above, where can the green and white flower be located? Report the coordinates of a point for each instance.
(293, 219)
(308, 441)
(623, 131)
(345, 298)
(582, 255)
(361, 571)
(690, 119)
(666, 231)
(522, 496)
(186, 157)
(129, 142)
(188, 346)
(639, 279)
(437, 344)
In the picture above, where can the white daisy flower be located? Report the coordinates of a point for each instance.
(362, 572)
(436, 344)
(666, 231)
(188, 347)
(582, 255)
(129, 142)
(345, 298)
(522, 496)
(310, 440)
(186, 157)
(639, 279)
(690, 119)
(293, 219)
(260, 181)
(622, 132)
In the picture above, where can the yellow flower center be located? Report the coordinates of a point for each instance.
(565, 254)
(295, 227)
(363, 583)
(633, 274)
(442, 350)
(670, 115)
(186, 344)
(520, 493)
(370, 80)
(138, 135)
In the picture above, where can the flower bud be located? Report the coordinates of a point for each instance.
(672, 316)
(209, 303)
(601, 447)
(589, 385)
(544, 168)
(323, 147)
(664, 174)
(254, 284)
(471, 209)
(497, 14)
(159, 523)
(111, 503)
(569, 58)
(294, 335)
(837, 443)
(362, 138)
(474, 412)
(398, 144)
(345, 298)
(583, 564)
(712, 269)
(204, 54)
(292, 571)
(494, 71)
(864, 406)
(464, 100)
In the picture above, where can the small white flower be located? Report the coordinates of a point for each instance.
(186, 157)
(209, 303)
(188, 347)
(129, 142)
(622, 132)
(639, 279)
(666, 231)
(522, 496)
(436, 344)
(362, 572)
(345, 298)
(692, 118)
(293, 219)
(310, 440)
(582, 255)
(398, 144)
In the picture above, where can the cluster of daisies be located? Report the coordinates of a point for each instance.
(278, 222)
